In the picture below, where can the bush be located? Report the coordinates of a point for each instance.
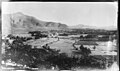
(24, 54)
(21, 53)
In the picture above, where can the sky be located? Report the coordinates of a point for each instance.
(91, 14)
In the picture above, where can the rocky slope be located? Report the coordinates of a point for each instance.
(21, 22)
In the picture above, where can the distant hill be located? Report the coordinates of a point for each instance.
(109, 28)
(20, 22)
(81, 26)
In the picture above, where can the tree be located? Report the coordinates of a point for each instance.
(24, 54)
(81, 37)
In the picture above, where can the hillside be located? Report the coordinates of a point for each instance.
(22, 23)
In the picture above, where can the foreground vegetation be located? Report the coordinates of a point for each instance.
(45, 57)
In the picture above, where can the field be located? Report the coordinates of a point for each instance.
(66, 45)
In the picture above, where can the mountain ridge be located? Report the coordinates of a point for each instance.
(21, 22)
(81, 26)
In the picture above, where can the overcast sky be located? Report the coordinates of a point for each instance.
(94, 14)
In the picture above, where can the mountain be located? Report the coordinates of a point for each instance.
(21, 22)
(81, 26)
(109, 28)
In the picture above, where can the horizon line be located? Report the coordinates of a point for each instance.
(59, 22)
